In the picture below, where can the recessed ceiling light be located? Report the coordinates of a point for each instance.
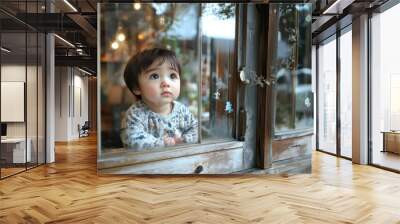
(337, 7)
(65, 41)
(70, 5)
(84, 71)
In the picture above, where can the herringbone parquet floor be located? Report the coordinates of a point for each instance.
(70, 191)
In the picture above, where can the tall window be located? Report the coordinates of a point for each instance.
(385, 88)
(346, 93)
(327, 96)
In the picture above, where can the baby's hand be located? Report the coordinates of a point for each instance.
(168, 141)
(178, 140)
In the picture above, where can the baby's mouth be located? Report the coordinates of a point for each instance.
(166, 93)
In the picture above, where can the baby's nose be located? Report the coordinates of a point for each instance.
(164, 84)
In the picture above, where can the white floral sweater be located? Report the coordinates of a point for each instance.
(144, 129)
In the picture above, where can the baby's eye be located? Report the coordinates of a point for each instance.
(154, 76)
(174, 76)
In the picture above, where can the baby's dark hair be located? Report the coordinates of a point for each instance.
(143, 60)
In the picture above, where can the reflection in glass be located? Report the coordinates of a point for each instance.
(32, 88)
(128, 30)
(291, 68)
(41, 150)
(22, 69)
(13, 74)
(32, 101)
(217, 66)
(346, 94)
(327, 96)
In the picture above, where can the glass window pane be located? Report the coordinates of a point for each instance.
(291, 66)
(327, 96)
(303, 86)
(22, 62)
(13, 85)
(32, 97)
(31, 85)
(41, 98)
(346, 94)
(131, 28)
(218, 42)
(385, 85)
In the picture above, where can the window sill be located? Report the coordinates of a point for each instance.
(293, 134)
(123, 157)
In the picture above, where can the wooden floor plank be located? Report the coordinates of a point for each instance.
(70, 191)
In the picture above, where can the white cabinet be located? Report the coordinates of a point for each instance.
(17, 148)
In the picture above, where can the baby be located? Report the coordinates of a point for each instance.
(156, 120)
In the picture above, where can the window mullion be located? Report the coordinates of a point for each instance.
(199, 81)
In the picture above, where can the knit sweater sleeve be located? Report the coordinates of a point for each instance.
(135, 135)
(190, 132)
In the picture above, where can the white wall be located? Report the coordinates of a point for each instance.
(71, 93)
(61, 103)
(80, 100)
(12, 73)
(33, 126)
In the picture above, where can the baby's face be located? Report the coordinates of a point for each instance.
(159, 84)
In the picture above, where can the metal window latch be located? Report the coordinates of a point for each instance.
(270, 81)
(250, 76)
(261, 81)
(242, 76)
